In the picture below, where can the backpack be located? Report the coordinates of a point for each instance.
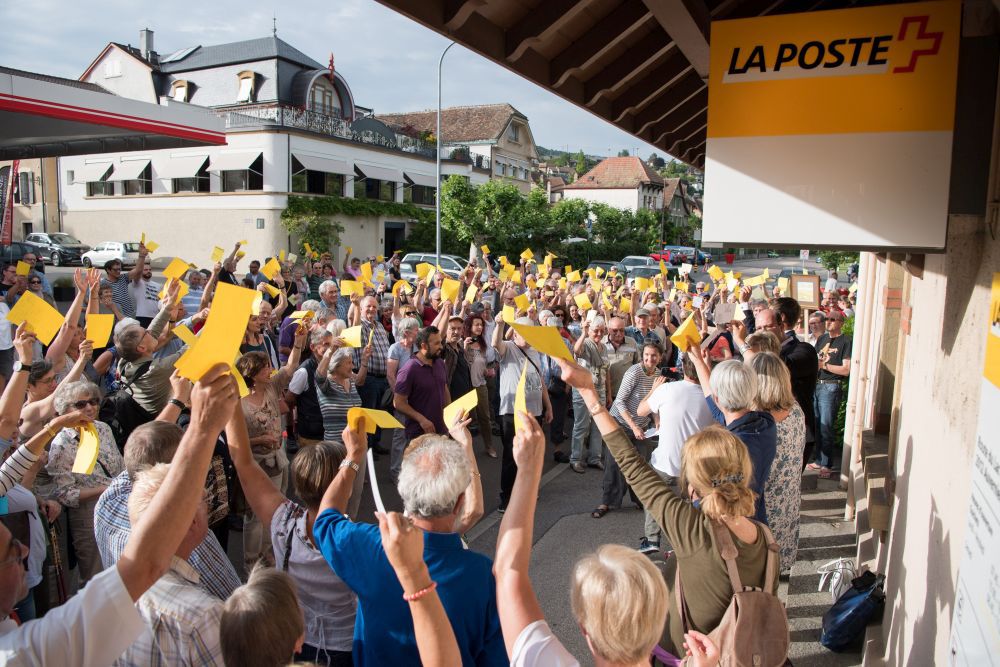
(754, 630)
(121, 412)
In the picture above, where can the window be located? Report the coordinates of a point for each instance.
(501, 169)
(316, 182)
(25, 192)
(245, 179)
(246, 91)
(112, 69)
(179, 91)
(372, 188)
(200, 182)
(419, 194)
(142, 185)
(514, 132)
(100, 188)
(323, 99)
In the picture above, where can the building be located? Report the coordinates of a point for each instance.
(622, 182)
(292, 129)
(35, 196)
(494, 135)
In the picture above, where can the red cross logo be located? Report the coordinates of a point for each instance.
(921, 23)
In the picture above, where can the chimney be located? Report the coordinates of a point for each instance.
(146, 42)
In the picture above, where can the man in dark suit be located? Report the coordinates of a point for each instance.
(802, 362)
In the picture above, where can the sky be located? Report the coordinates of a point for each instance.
(389, 61)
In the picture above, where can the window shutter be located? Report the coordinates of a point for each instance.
(26, 188)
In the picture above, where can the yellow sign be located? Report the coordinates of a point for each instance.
(23, 268)
(176, 269)
(271, 290)
(220, 338)
(99, 328)
(372, 419)
(87, 449)
(351, 287)
(520, 400)
(583, 302)
(351, 336)
(686, 334)
(889, 68)
(545, 339)
(509, 314)
(485, 249)
(522, 302)
(450, 290)
(271, 268)
(218, 253)
(463, 404)
(44, 320)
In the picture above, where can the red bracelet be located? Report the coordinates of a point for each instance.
(413, 597)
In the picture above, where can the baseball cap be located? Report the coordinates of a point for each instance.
(642, 312)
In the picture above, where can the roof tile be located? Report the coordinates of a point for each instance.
(617, 172)
(458, 124)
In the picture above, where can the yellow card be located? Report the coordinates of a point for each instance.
(380, 277)
(527, 254)
(302, 314)
(181, 291)
(371, 418)
(281, 255)
(509, 314)
(99, 328)
(738, 314)
(573, 277)
(503, 260)
(599, 271)
(352, 336)
(767, 274)
(583, 302)
(545, 339)
(641, 284)
(184, 334)
(523, 302)
(450, 290)
(309, 248)
(23, 268)
(401, 285)
(625, 305)
(240, 255)
(255, 306)
(366, 272)
(607, 302)
(271, 268)
(348, 250)
(663, 268)
(423, 269)
(783, 286)
(151, 246)
(504, 275)
(218, 253)
(142, 237)
(516, 277)
(371, 336)
(244, 242)
(716, 273)
(520, 401)
(485, 249)
(470, 294)
(463, 404)
(220, 338)
(292, 257)
(44, 320)
(177, 268)
(271, 290)
(86, 450)
(530, 282)
(673, 294)
(351, 287)
(686, 334)
(562, 283)
(681, 287)
(756, 280)
(379, 258)
(241, 384)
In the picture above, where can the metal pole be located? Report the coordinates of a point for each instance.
(437, 137)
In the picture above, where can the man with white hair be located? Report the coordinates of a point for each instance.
(376, 384)
(434, 484)
(329, 293)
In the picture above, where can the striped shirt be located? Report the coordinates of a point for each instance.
(380, 348)
(14, 468)
(334, 403)
(635, 386)
(121, 294)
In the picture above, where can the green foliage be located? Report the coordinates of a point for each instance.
(311, 219)
(831, 259)
(581, 163)
(623, 152)
(656, 161)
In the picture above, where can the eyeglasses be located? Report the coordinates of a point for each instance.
(611, 331)
(34, 282)
(80, 405)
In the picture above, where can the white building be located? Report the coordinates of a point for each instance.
(622, 182)
(292, 128)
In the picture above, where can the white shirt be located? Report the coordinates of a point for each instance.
(831, 284)
(299, 381)
(19, 499)
(536, 645)
(93, 628)
(683, 412)
(6, 328)
(147, 297)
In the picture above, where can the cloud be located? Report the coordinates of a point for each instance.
(389, 61)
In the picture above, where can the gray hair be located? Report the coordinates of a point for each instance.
(70, 392)
(311, 304)
(409, 323)
(151, 443)
(598, 322)
(555, 322)
(436, 292)
(324, 314)
(336, 327)
(317, 336)
(326, 286)
(339, 356)
(734, 386)
(434, 474)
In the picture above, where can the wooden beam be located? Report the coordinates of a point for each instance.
(645, 90)
(456, 12)
(630, 65)
(684, 133)
(681, 114)
(654, 113)
(530, 30)
(687, 22)
(620, 24)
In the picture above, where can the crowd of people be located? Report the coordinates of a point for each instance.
(703, 402)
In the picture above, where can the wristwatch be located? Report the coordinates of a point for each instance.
(18, 366)
(347, 463)
(178, 402)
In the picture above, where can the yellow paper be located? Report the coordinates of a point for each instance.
(583, 302)
(218, 253)
(681, 287)
(738, 314)
(625, 305)
(352, 336)
(450, 290)
(281, 255)
(255, 306)
(86, 450)
(527, 254)
(99, 328)
(767, 274)
(853, 288)
(509, 314)
(302, 314)
(176, 269)
(23, 268)
(464, 404)
(309, 248)
(523, 302)
(663, 268)
(351, 287)
(783, 286)
(504, 275)
(220, 338)
(530, 282)
(607, 302)
(716, 273)
(400, 285)
(292, 257)
(241, 384)
(423, 269)
(366, 273)
(756, 280)
(151, 246)
(379, 258)
(240, 255)
(185, 334)
(573, 276)
(599, 271)
(42, 319)
(142, 237)
(243, 242)
(641, 284)
(380, 277)
(348, 250)
(470, 294)
(545, 339)
(271, 290)
(562, 283)
(686, 334)
(271, 268)
(372, 418)
(520, 401)
(485, 249)
(503, 260)
(516, 277)
(182, 291)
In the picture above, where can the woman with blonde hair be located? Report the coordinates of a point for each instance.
(782, 490)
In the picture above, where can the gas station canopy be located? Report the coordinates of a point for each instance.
(46, 116)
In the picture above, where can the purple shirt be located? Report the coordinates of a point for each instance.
(424, 387)
(286, 336)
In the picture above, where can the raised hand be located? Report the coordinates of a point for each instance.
(180, 388)
(24, 343)
(213, 400)
(529, 444)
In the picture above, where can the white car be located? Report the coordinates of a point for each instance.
(125, 252)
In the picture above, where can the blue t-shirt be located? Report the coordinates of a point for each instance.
(383, 631)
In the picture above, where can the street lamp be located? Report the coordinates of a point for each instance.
(437, 137)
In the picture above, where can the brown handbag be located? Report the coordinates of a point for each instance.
(754, 630)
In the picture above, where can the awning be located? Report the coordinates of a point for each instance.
(180, 167)
(324, 164)
(128, 170)
(232, 161)
(92, 171)
(380, 173)
(421, 179)
(45, 116)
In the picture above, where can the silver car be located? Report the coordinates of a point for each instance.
(125, 252)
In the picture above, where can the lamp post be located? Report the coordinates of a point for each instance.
(437, 138)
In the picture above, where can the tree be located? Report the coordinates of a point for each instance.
(581, 163)
(831, 259)
(321, 232)
(656, 162)
(623, 152)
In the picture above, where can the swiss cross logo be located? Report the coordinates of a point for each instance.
(922, 35)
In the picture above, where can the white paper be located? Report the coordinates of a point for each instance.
(379, 505)
(651, 433)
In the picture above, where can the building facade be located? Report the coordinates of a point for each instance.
(35, 196)
(622, 182)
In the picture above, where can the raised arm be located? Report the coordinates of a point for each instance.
(339, 491)
(180, 392)
(135, 274)
(472, 509)
(644, 408)
(498, 343)
(57, 351)
(12, 399)
(262, 495)
(206, 295)
(701, 366)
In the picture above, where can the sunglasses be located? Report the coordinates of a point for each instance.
(80, 405)
(34, 282)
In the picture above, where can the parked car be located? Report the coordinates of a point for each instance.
(703, 256)
(125, 252)
(453, 265)
(634, 261)
(57, 248)
(650, 272)
(15, 251)
(607, 265)
(678, 254)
